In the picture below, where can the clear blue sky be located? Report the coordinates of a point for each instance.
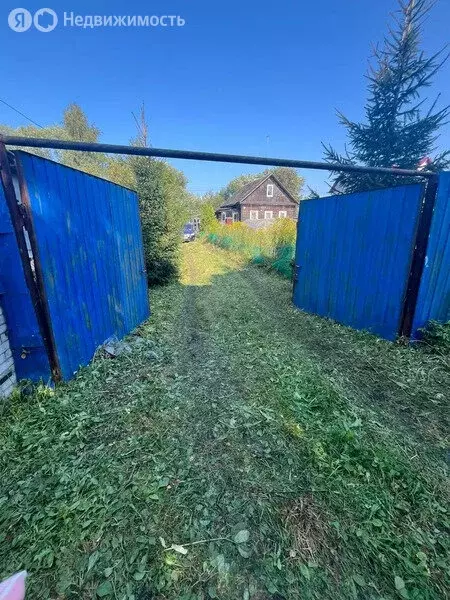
(237, 72)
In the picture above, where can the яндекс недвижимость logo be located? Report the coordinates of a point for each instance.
(44, 19)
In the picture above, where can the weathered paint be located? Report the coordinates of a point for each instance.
(30, 357)
(434, 295)
(90, 249)
(353, 256)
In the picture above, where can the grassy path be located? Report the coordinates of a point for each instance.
(240, 449)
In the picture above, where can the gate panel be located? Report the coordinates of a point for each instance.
(90, 250)
(433, 302)
(27, 347)
(353, 256)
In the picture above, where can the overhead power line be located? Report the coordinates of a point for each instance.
(20, 113)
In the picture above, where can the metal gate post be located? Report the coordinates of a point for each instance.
(418, 257)
(21, 220)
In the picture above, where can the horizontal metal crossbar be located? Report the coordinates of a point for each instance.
(13, 140)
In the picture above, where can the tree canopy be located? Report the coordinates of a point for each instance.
(165, 203)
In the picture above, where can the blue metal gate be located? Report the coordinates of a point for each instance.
(353, 256)
(88, 246)
(434, 294)
(27, 346)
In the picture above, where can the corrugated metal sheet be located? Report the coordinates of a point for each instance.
(434, 295)
(30, 357)
(90, 247)
(354, 253)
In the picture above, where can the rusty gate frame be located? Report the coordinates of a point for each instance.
(22, 221)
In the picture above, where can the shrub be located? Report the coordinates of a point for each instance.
(284, 232)
(272, 246)
(208, 221)
(436, 337)
(160, 232)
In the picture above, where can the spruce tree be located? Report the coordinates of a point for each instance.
(398, 130)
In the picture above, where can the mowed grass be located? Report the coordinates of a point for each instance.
(240, 449)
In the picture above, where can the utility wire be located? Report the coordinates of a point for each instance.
(138, 125)
(21, 114)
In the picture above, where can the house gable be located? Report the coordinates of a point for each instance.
(255, 203)
(279, 196)
(256, 191)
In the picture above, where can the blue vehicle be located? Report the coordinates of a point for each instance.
(188, 233)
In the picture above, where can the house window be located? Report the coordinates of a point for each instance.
(282, 214)
(253, 215)
(270, 190)
(235, 217)
(268, 214)
(223, 217)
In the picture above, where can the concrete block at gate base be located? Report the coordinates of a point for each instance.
(7, 373)
(5, 357)
(5, 390)
(9, 382)
(4, 346)
(5, 365)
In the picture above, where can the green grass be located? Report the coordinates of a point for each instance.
(241, 449)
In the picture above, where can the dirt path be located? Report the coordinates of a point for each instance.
(395, 383)
(236, 452)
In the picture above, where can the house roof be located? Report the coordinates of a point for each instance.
(248, 188)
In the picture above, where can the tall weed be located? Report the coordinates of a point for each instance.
(271, 246)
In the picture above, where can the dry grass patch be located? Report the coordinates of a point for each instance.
(312, 538)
